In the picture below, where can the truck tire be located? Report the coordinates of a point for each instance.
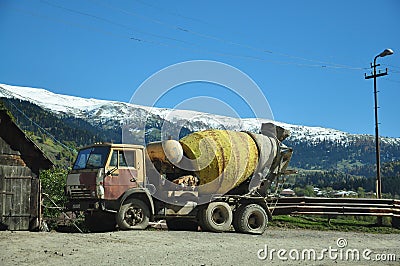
(250, 219)
(216, 217)
(176, 224)
(134, 214)
(100, 221)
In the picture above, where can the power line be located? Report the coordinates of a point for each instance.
(394, 71)
(173, 13)
(156, 35)
(110, 21)
(140, 31)
(208, 36)
(199, 49)
(393, 80)
(69, 23)
(391, 66)
(142, 40)
(35, 14)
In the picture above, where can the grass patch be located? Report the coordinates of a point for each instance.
(344, 224)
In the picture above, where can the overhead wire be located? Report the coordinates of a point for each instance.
(173, 13)
(151, 34)
(398, 67)
(155, 35)
(110, 21)
(142, 40)
(393, 80)
(187, 30)
(394, 71)
(66, 22)
(199, 48)
(390, 67)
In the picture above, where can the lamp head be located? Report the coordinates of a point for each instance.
(386, 52)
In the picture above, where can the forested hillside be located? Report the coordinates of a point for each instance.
(348, 157)
(57, 136)
(360, 177)
(70, 130)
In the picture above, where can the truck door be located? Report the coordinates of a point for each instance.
(123, 175)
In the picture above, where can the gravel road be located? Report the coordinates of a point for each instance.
(162, 247)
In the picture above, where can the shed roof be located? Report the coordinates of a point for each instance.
(32, 155)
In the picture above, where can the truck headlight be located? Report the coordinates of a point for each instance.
(99, 184)
(100, 191)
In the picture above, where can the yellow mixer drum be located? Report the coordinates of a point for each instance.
(222, 159)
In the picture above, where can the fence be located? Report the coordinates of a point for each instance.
(337, 206)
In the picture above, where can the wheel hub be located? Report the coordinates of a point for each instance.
(219, 216)
(255, 221)
(134, 216)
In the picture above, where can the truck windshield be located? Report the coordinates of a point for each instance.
(91, 158)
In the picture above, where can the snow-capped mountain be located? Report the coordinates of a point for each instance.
(97, 112)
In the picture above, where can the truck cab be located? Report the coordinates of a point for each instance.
(101, 175)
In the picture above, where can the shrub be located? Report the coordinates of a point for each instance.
(53, 183)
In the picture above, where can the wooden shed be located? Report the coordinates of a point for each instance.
(20, 163)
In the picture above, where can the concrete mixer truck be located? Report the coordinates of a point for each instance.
(212, 180)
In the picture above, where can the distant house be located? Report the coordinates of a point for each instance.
(20, 163)
(287, 192)
(342, 193)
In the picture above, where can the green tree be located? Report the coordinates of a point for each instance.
(299, 191)
(361, 192)
(309, 191)
(53, 183)
(3, 107)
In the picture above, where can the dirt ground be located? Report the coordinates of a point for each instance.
(162, 247)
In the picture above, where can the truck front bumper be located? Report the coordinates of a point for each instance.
(83, 205)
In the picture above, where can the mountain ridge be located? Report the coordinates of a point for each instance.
(113, 112)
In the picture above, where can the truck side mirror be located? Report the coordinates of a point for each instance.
(109, 172)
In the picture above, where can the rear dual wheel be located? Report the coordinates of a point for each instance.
(250, 219)
(215, 217)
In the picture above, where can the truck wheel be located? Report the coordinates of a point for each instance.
(250, 219)
(177, 224)
(133, 214)
(216, 217)
(100, 221)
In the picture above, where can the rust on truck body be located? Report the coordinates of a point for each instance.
(88, 179)
(116, 184)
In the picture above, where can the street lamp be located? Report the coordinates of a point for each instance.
(377, 146)
(385, 53)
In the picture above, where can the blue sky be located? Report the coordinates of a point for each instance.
(308, 57)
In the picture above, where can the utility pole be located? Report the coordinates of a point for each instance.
(377, 145)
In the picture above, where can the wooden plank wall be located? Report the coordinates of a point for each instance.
(20, 162)
(15, 203)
